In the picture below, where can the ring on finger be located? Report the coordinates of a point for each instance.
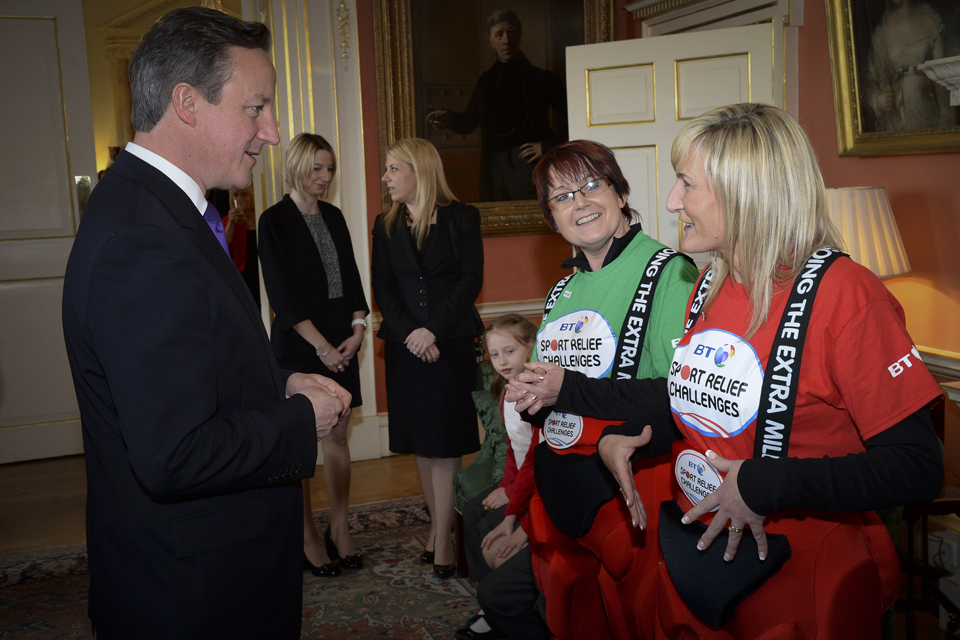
(736, 529)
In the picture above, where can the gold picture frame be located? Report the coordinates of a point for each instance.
(395, 100)
(852, 26)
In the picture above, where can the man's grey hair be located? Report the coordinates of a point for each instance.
(503, 15)
(191, 45)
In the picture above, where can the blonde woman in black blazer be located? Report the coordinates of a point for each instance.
(314, 288)
(427, 273)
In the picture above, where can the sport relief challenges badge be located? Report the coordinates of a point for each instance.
(696, 476)
(714, 383)
(581, 340)
(562, 430)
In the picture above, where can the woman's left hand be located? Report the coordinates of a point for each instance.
(349, 347)
(732, 509)
(430, 354)
(419, 340)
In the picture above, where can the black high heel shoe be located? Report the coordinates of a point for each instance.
(347, 562)
(329, 570)
(444, 571)
(426, 557)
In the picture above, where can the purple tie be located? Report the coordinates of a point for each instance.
(212, 216)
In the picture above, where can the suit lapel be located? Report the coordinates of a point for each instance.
(179, 205)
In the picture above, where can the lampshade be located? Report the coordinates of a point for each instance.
(865, 220)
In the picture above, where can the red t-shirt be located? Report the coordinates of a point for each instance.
(861, 373)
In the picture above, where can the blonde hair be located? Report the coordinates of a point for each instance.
(766, 179)
(432, 189)
(298, 161)
(521, 329)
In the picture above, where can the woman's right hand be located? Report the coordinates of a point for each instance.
(615, 451)
(332, 359)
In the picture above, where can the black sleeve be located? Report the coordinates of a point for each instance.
(447, 314)
(386, 286)
(639, 402)
(280, 270)
(464, 122)
(556, 96)
(902, 465)
(609, 399)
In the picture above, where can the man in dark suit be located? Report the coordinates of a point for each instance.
(195, 443)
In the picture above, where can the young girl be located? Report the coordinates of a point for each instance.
(509, 340)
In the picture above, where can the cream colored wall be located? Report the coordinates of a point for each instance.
(99, 13)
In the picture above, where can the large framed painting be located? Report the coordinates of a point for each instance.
(885, 103)
(487, 87)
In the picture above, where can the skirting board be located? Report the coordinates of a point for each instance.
(49, 440)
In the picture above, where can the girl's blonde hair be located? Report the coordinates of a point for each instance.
(298, 161)
(521, 329)
(765, 176)
(432, 189)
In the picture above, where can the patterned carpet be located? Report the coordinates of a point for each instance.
(43, 594)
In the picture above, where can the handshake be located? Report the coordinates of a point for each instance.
(331, 402)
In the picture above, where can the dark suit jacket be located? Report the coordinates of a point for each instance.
(439, 293)
(194, 505)
(296, 280)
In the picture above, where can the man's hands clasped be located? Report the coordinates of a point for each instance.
(331, 402)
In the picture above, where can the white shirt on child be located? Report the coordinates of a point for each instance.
(519, 431)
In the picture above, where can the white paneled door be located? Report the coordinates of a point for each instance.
(635, 96)
(47, 168)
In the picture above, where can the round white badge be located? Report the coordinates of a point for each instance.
(581, 340)
(714, 383)
(697, 477)
(562, 430)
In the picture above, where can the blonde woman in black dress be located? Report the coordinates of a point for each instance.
(314, 288)
(427, 273)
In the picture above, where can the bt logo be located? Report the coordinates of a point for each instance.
(576, 327)
(723, 355)
(720, 355)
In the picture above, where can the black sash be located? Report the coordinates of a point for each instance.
(574, 486)
(555, 294)
(716, 599)
(778, 395)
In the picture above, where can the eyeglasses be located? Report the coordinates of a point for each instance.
(590, 190)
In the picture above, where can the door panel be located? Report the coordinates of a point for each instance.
(636, 95)
(49, 124)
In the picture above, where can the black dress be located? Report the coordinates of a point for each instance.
(431, 406)
(298, 289)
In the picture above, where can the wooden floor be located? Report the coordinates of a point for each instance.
(42, 505)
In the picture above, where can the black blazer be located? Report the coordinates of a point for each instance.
(438, 295)
(296, 280)
(193, 456)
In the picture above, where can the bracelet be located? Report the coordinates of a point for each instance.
(322, 355)
(357, 321)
